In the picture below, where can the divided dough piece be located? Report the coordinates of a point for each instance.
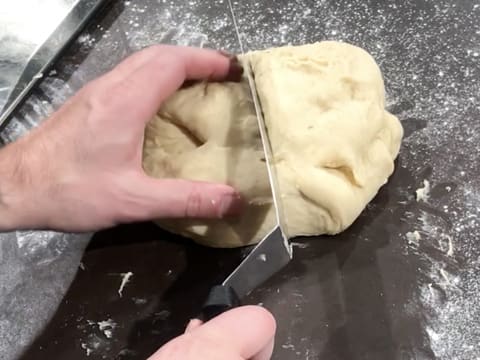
(209, 132)
(333, 141)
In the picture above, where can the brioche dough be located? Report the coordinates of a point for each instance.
(333, 141)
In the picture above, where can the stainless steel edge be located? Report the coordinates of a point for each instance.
(269, 158)
(274, 251)
(266, 259)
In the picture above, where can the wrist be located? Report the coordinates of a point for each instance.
(15, 203)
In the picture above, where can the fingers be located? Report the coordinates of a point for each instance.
(144, 80)
(199, 63)
(243, 333)
(175, 198)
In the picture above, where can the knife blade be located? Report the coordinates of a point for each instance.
(274, 251)
(271, 254)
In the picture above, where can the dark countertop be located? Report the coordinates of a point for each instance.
(373, 292)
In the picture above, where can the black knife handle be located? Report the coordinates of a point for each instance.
(220, 299)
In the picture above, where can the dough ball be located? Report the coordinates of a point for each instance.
(333, 141)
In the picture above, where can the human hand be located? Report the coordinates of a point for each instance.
(244, 333)
(81, 170)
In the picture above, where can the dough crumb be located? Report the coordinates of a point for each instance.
(107, 327)
(450, 246)
(299, 245)
(125, 279)
(88, 351)
(413, 237)
(423, 193)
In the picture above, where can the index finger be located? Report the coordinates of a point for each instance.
(149, 77)
(208, 62)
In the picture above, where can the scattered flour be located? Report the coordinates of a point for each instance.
(88, 350)
(91, 344)
(450, 290)
(429, 56)
(99, 336)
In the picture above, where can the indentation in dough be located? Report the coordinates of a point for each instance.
(350, 87)
(189, 134)
(325, 105)
(344, 171)
(325, 211)
(307, 64)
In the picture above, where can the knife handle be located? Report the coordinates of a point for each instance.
(220, 299)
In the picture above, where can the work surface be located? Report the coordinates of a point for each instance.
(401, 283)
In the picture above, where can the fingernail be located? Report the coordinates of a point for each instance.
(230, 205)
(235, 71)
(227, 54)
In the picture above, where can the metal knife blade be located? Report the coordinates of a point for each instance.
(267, 149)
(274, 251)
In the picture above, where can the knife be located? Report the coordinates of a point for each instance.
(271, 254)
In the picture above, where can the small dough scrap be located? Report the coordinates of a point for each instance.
(333, 141)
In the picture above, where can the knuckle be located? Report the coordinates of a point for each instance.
(164, 56)
(107, 98)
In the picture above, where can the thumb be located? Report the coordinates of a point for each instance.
(176, 198)
(243, 333)
(248, 330)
